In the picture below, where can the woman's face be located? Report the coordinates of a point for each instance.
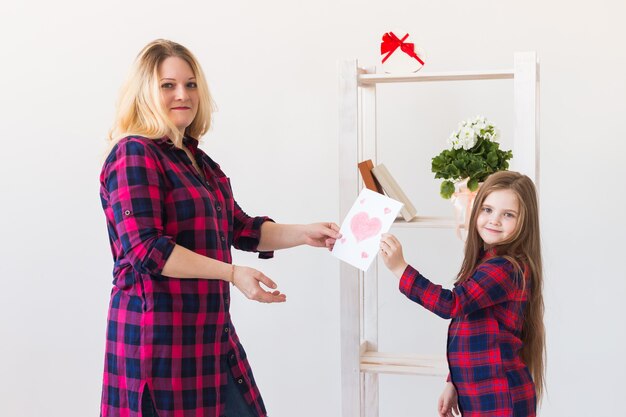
(179, 91)
(498, 217)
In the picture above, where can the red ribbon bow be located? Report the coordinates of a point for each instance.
(391, 43)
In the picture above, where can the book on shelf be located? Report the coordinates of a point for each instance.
(393, 190)
(371, 183)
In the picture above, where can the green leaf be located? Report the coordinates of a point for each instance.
(447, 189)
(453, 170)
(479, 148)
(472, 184)
(474, 168)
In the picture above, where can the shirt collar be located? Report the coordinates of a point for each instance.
(188, 141)
(191, 143)
(488, 253)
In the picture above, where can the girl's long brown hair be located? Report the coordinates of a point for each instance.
(523, 250)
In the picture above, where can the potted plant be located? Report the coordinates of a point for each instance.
(474, 153)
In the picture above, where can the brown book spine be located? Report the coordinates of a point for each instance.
(371, 183)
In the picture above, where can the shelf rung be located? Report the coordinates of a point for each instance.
(427, 222)
(366, 79)
(403, 370)
(387, 363)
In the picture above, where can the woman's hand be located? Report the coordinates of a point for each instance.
(448, 402)
(247, 281)
(391, 252)
(321, 234)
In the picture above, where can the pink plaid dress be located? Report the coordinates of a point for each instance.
(174, 336)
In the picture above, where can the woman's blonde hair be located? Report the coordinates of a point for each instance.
(139, 109)
(523, 250)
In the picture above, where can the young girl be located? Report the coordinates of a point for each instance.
(496, 348)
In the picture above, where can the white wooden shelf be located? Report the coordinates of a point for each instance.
(388, 363)
(428, 222)
(370, 79)
(361, 363)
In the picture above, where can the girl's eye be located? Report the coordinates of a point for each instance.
(509, 215)
(167, 85)
(192, 84)
(486, 209)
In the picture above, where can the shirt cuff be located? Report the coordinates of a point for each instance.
(252, 239)
(157, 256)
(407, 280)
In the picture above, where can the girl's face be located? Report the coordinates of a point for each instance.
(498, 216)
(179, 91)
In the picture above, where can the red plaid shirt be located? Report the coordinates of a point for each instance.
(174, 336)
(487, 312)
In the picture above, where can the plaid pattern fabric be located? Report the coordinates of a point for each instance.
(487, 314)
(173, 335)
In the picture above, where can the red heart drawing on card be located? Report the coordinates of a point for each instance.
(363, 227)
(387, 210)
(364, 255)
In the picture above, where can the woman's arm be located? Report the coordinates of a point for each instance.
(276, 236)
(184, 263)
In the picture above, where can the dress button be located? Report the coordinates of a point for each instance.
(127, 212)
(225, 329)
(222, 238)
(240, 381)
(219, 208)
(232, 357)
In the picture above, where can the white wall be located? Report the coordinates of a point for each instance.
(272, 66)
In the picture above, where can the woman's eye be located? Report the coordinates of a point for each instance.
(192, 85)
(167, 85)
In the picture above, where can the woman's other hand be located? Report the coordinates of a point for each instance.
(248, 280)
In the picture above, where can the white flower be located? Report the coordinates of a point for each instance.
(480, 119)
(470, 131)
(496, 134)
(453, 141)
(478, 127)
(467, 138)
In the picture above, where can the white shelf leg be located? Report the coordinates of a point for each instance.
(349, 276)
(526, 97)
(367, 140)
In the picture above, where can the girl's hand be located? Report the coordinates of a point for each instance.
(391, 252)
(247, 281)
(321, 235)
(448, 402)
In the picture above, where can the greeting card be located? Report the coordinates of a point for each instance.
(371, 215)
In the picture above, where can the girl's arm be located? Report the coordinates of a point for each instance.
(492, 283)
(281, 236)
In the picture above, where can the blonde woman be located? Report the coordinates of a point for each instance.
(172, 349)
